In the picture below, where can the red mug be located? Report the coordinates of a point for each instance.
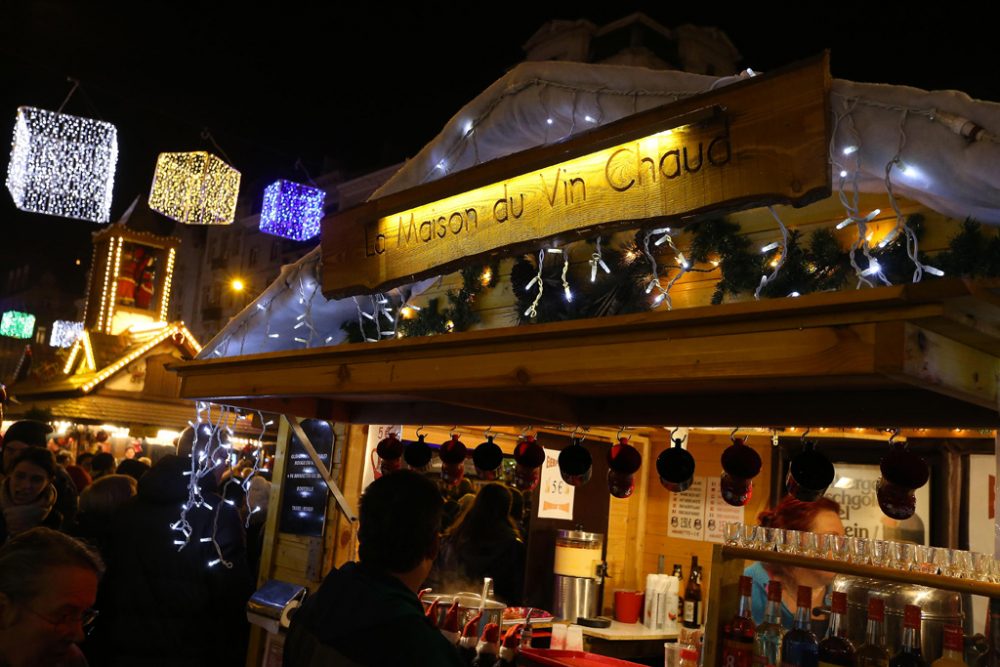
(628, 606)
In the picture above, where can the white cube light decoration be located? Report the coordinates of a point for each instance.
(65, 333)
(292, 210)
(195, 188)
(62, 165)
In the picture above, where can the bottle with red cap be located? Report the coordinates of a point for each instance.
(510, 647)
(737, 642)
(836, 649)
(767, 639)
(689, 657)
(449, 627)
(954, 648)
(799, 647)
(910, 652)
(872, 653)
(488, 646)
(470, 637)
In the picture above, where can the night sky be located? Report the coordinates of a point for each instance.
(312, 83)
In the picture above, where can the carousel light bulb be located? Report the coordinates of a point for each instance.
(195, 188)
(292, 210)
(62, 165)
(65, 333)
(16, 324)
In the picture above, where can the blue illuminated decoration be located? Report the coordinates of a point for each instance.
(292, 210)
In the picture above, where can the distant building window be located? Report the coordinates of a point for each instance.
(40, 335)
(252, 258)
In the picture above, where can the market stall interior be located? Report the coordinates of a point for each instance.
(723, 363)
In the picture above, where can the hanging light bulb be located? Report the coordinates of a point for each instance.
(529, 457)
(810, 473)
(575, 463)
(418, 454)
(488, 458)
(452, 455)
(740, 464)
(623, 462)
(389, 451)
(675, 466)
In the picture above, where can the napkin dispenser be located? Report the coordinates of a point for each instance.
(273, 603)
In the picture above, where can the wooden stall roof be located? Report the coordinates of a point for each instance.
(923, 355)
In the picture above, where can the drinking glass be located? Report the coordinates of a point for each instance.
(827, 546)
(733, 532)
(903, 555)
(841, 548)
(790, 541)
(859, 550)
(942, 558)
(772, 539)
(995, 571)
(982, 566)
(809, 543)
(753, 537)
(924, 559)
(878, 552)
(961, 563)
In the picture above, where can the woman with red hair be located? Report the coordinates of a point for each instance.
(821, 516)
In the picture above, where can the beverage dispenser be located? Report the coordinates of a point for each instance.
(579, 574)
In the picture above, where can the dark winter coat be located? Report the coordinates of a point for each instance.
(161, 605)
(368, 619)
(462, 565)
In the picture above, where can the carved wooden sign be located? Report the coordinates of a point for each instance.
(759, 142)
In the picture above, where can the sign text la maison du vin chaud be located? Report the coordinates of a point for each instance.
(760, 142)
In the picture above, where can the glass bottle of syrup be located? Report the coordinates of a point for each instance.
(799, 646)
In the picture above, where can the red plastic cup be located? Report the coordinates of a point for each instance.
(628, 606)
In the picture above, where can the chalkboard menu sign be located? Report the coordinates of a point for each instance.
(304, 494)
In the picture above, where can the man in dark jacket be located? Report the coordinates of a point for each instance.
(31, 433)
(367, 613)
(171, 604)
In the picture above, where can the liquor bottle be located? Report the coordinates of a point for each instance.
(692, 597)
(467, 644)
(910, 653)
(679, 573)
(872, 652)
(449, 627)
(767, 638)
(799, 647)
(488, 646)
(991, 658)
(737, 639)
(954, 648)
(836, 648)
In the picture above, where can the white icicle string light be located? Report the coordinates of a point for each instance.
(912, 249)
(532, 310)
(597, 261)
(765, 279)
(654, 283)
(567, 292)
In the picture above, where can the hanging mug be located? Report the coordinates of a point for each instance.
(624, 461)
(575, 464)
(487, 458)
(418, 454)
(452, 455)
(740, 464)
(390, 454)
(675, 466)
(903, 472)
(809, 474)
(528, 457)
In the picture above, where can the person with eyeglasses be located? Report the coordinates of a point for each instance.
(48, 584)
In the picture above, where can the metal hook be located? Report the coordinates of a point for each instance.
(620, 431)
(575, 431)
(732, 436)
(454, 431)
(419, 429)
(892, 438)
(486, 433)
(805, 433)
(525, 430)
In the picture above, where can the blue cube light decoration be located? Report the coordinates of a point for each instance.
(16, 324)
(292, 210)
(62, 165)
(65, 333)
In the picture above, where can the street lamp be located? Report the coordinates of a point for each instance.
(237, 285)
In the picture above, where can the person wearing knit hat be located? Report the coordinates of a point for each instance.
(31, 433)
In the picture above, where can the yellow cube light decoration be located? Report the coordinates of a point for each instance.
(195, 188)
(62, 165)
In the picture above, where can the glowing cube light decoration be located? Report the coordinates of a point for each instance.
(16, 324)
(292, 210)
(195, 188)
(62, 165)
(65, 333)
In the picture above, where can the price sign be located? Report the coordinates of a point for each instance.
(555, 497)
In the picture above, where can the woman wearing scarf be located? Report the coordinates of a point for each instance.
(27, 496)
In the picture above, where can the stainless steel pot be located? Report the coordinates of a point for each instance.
(468, 606)
(939, 608)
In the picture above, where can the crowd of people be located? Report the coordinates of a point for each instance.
(91, 567)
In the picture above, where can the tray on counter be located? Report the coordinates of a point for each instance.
(543, 657)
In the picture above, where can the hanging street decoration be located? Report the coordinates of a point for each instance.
(292, 210)
(195, 188)
(16, 324)
(62, 165)
(65, 333)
